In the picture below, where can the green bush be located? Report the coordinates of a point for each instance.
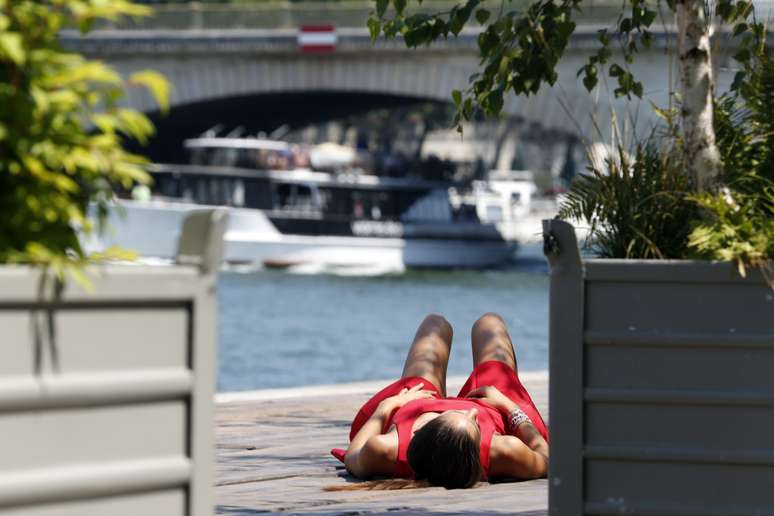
(61, 130)
(642, 206)
(636, 207)
(737, 223)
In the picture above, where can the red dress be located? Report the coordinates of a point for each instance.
(490, 420)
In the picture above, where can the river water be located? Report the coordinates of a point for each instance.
(280, 330)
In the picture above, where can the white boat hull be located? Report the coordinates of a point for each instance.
(151, 229)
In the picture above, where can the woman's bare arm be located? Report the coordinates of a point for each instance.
(368, 453)
(371, 452)
(523, 455)
(511, 457)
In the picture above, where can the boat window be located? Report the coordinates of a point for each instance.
(167, 185)
(380, 205)
(199, 156)
(359, 205)
(282, 195)
(201, 190)
(215, 196)
(246, 158)
(494, 213)
(186, 189)
(224, 157)
(303, 197)
(238, 193)
(260, 194)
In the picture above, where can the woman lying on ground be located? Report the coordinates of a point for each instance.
(410, 429)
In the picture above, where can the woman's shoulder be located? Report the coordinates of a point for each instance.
(381, 452)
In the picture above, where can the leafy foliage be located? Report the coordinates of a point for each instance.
(744, 126)
(642, 208)
(738, 222)
(61, 130)
(636, 207)
(519, 49)
(737, 227)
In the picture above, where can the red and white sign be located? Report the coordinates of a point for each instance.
(317, 38)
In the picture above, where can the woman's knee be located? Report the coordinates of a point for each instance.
(438, 324)
(491, 341)
(490, 321)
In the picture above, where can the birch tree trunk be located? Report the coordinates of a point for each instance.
(703, 157)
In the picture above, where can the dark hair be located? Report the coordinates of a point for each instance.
(445, 455)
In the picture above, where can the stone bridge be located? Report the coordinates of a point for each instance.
(262, 76)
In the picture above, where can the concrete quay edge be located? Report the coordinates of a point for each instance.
(366, 387)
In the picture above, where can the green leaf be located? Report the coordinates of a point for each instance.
(637, 89)
(80, 278)
(663, 114)
(495, 102)
(417, 35)
(646, 38)
(374, 28)
(439, 28)
(85, 25)
(381, 7)
(590, 80)
(724, 9)
(156, 84)
(616, 70)
(12, 47)
(134, 124)
(456, 21)
(460, 15)
(457, 97)
(739, 78)
(467, 108)
(743, 56)
(648, 17)
(482, 15)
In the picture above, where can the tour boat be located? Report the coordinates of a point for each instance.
(284, 214)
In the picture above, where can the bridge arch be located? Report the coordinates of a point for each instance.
(263, 112)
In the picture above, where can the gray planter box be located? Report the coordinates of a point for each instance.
(106, 396)
(661, 386)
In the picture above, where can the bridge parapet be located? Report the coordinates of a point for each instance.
(285, 14)
(282, 41)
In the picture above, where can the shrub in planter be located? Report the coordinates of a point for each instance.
(642, 206)
(636, 207)
(738, 222)
(61, 130)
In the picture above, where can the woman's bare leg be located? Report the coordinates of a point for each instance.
(490, 341)
(429, 353)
